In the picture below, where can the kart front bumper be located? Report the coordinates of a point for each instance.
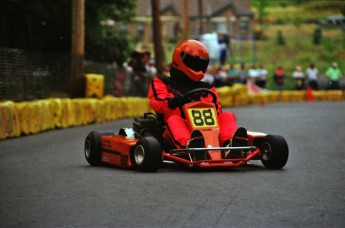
(208, 163)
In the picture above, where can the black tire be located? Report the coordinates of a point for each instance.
(147, 154)
(274, 152)
(92, 147)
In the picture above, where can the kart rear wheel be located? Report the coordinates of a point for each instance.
(147, 154)
(274, 152)
(92, 147)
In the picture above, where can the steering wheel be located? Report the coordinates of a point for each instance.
(202, 92)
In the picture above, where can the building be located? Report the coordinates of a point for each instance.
(232, 17)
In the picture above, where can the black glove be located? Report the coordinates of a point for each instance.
(177, 101)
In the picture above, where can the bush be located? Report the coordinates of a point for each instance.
(280, 38)
(317, 37)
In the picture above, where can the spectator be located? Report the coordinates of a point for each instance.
(254, 75)
(140, 75)
(312, 73)
(150, 67)
(334, 74)
(233, 75)
(279, 77)
(221, 76)
(128, 82)
(210, 40)
(167, 69)
(151, 70)
(242, 74)
(262, 73)
(223, 46)
(209, 76)
(298, 76)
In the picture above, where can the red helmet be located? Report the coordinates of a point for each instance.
(191, 57)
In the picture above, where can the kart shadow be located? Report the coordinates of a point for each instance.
(167, 167)
(173, 167)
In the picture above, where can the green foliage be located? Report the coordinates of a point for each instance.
(297, 21)
(262, 4)
(317, 36)
(41, 25)
(305, 42)
(102, 42)
(342, 10)
(280, 38)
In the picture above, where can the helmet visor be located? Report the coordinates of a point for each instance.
(195, 63)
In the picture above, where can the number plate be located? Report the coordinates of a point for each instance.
(202, 117)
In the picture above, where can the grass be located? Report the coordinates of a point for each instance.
(294, 22)
(300, 50)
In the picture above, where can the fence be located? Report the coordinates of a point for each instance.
(28, 75)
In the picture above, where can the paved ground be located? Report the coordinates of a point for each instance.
(46, 181)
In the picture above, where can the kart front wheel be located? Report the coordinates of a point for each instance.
(147, 154)
(274, 152)
(92, 147)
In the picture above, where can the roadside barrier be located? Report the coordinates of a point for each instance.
(9, 120)
(94, 85)
(32, 117)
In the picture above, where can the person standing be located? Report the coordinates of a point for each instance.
(312, 74)
(254, 75)
(334, 74)
(262, 72)
(223, 49)
(279, 77)
(242, 74)
(298, 76)
(233, 75)
(140, 75)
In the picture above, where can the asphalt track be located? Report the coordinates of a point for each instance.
(45, 180)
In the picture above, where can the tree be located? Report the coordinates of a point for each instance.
(157, 37)
(280, 38)
(102, 42)
(317, 36)
(77, 49)
(261, 6)
(42, 26)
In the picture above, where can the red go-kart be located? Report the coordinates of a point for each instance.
(143, 146)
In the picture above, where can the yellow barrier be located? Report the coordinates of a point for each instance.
(9, 122)
(94, 85)
(36, 116)
(23, 116)
(334, 95)
(56, 106)
(225, 96)
(67, 115)
(318, 95)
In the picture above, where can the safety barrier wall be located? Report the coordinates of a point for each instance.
(31, 117)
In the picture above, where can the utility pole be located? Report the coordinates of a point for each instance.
(200, 17)
(157, 36)
(185, 19)
(77, 83)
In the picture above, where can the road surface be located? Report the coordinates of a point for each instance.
(46, 181)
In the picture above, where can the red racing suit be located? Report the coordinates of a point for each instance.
(165, 88)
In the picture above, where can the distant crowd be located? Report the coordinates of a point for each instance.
(140, 70)
(310, 76)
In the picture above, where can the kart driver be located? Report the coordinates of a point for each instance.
(166, 94)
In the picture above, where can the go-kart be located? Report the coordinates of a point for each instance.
(147, 143)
